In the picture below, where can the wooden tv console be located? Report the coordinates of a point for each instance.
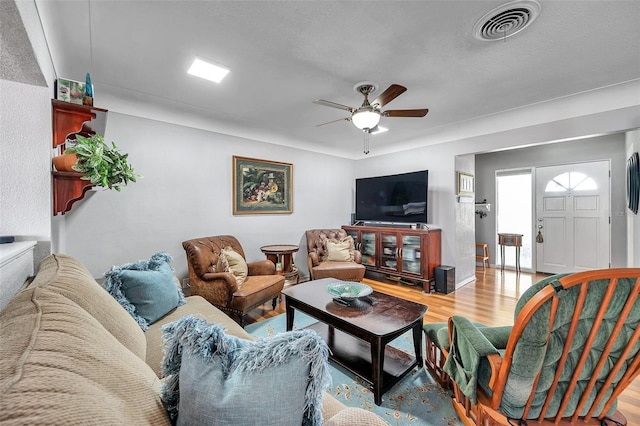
(399, 253)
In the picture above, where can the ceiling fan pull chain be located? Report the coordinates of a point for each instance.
(366, 143)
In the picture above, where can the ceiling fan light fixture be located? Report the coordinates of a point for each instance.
(365, 119)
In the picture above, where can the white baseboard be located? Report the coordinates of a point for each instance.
(465, 282)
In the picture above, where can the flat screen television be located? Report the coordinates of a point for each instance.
(393, 198)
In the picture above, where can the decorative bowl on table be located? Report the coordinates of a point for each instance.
(348, 290)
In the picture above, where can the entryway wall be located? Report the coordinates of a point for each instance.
(608, 147)
(633, 220)
(464, 225)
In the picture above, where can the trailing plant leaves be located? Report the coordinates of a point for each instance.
(102, 165)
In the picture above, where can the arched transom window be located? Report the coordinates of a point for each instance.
(571, 181)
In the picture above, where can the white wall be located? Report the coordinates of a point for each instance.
(441, 202)
(610, 147)
(25, 175)
(632, 144)
(25, 129)
(25, 171)
(186, 192)
(465, 226)
(442, 207)
(25, 133)
(440, 160)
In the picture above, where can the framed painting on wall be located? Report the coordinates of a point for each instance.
(465, 184)
(261, 186)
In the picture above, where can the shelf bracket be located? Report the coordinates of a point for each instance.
(68, 188)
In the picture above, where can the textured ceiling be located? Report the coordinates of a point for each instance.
(285, 54)
(16, 62)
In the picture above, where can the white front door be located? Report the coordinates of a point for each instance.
(572, 209)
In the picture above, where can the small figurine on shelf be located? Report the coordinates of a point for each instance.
(88, 91)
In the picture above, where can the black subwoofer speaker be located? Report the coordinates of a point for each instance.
(445, 279)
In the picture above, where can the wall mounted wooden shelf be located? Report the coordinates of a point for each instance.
(68, 121)
(68, 187)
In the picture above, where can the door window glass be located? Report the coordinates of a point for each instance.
(514, 198)
(569, 181)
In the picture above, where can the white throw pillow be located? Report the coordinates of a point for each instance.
(340, 251)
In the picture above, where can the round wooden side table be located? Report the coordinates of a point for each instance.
(283, 254)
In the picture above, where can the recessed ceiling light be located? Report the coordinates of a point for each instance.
(207, 70)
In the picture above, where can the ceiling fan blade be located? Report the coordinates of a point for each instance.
(333, 105)
(388, 95)
(334, 121)
(405, 112)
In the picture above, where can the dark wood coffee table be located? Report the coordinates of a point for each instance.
(358, 334)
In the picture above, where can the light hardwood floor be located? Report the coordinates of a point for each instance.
(491, 300)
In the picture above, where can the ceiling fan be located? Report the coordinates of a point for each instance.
(367, 116)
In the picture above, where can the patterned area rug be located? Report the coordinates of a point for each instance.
(416, 400)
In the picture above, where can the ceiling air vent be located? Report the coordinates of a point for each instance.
(506, 20)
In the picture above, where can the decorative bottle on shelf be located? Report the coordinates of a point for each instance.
(88, 91)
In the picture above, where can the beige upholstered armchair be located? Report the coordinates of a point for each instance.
(218, 272)
(331, 254)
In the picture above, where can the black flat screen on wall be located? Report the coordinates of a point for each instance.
(393, 198)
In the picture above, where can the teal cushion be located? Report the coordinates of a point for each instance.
(431, 330)
(442, 339)
(213, 378)
(146, 289)
(438, 333)
(484, 373)
(539, 350)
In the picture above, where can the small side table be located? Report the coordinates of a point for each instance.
(283, 254)
(511, 240)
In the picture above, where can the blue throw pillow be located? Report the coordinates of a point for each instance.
(213, 378)
(146, 289)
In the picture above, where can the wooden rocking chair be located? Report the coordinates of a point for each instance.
(573, 349)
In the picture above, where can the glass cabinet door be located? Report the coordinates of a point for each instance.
(389, 255)
(411, 254)
(356, 242)
(368, 248)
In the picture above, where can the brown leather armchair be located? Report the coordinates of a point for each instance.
(221, 288)
(320, 267)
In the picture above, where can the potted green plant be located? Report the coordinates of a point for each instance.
(100, 163)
